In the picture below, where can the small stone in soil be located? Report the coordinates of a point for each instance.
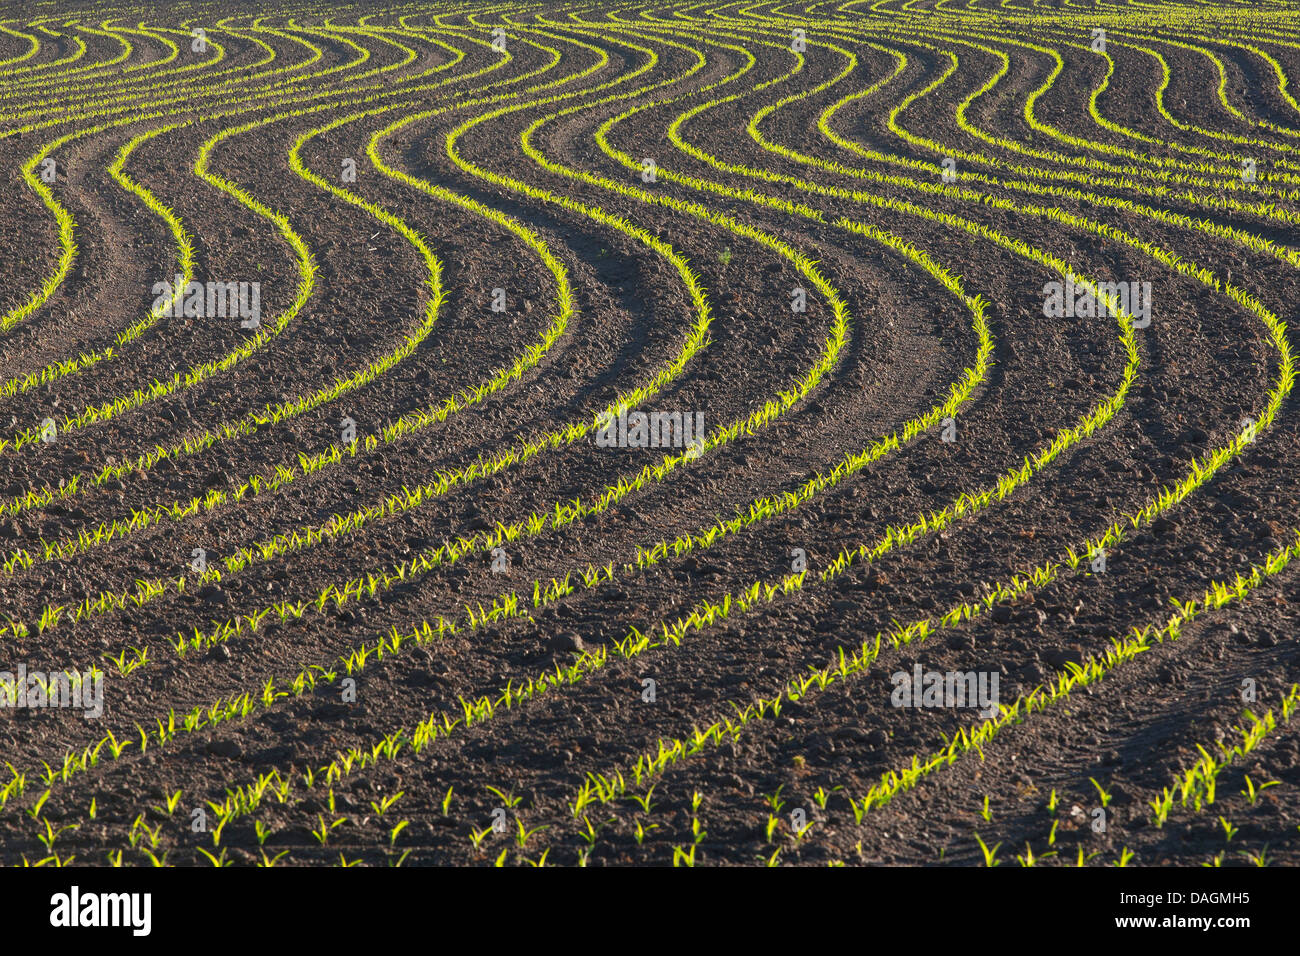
(567, 641)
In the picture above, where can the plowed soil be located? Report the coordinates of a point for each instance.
(361, 584)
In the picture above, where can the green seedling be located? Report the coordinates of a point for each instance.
(34, 811)
(1252, 792)
(392, 834)
(822, 795)
(322, 832)
(50, 835)
(172, 802)
(509, 801)
(859, 810)
(1259, 858)
(774, 800)
(1028, 859)
(219, 860)
(522, 835)
(590, 832)
(386, 803)
(644, 801)
(990, 854)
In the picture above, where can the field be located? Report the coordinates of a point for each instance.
(659, 433)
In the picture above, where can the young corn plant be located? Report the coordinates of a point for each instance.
(990, 853)
(384, 804)
(1257, 858)
(523, 835)
(1252, 791)
(1029, 859)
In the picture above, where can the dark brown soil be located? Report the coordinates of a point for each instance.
(1206, 363)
